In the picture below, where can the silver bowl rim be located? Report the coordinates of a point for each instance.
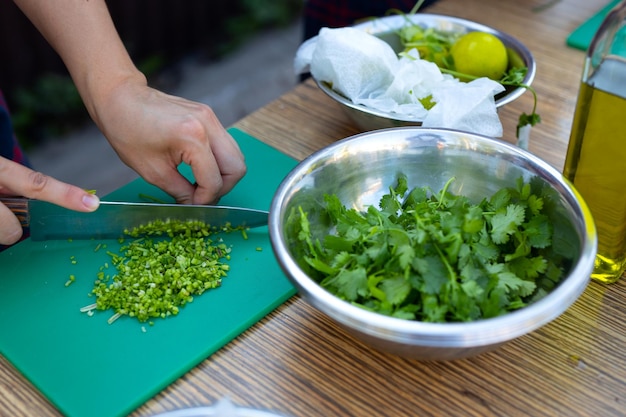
(389, 23)
(213, 410)
(444, 335)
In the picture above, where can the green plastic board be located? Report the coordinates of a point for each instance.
(581, 37)
(87, 367)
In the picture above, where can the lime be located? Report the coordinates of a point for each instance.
(480, 54)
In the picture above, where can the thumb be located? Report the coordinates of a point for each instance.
(10, 227)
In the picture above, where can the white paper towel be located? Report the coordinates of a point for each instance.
(366, 70)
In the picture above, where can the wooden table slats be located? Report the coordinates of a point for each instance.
(298, 363)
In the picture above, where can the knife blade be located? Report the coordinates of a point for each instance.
(48, 221)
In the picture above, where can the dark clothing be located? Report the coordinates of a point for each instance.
(340, 13)
(9, 147)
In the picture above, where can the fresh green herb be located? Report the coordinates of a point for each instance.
(162, 267)
(515, 77)
(434, 257)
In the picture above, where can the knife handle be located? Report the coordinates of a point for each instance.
(19, 207)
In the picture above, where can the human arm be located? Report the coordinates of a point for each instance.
(18, 180)
(152, 132)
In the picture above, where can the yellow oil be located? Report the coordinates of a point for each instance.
(596, 162)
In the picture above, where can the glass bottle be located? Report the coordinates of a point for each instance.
(596, 155)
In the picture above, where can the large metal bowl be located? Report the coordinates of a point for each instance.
(386, 28)
(360, 169)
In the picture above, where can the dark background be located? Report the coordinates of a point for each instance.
(157, 33)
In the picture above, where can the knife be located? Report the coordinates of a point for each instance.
(48, 221)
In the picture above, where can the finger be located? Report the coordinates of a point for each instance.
(10, 227)
(173, 183)
(230, 160)
(218, 173)
(32, 184)
(208, 186)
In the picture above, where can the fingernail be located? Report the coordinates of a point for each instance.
(91, 201)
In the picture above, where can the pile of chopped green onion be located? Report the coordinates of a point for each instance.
(155, 277)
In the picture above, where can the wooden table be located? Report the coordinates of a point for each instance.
(296, 362)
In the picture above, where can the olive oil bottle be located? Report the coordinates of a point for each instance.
(596, 156)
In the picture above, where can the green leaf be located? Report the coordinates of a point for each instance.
(433, 271)
(405, 255)
(514, 76)
(320, 265)
(473, 221)
(505, 224)
(539, 232)
(472, 289)
(529, 119)
(493, 304)
(432, 310)
(500, 199)
(529, 268)
(511, 283)
(396, 289)
(348, 284)
(406, 312)
(342, 260)
(535, 204)
(416, 196)
(338, 244)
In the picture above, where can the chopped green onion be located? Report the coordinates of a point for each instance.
(162, 268)
(71, 279)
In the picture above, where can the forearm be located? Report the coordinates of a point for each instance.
(83, 34)
(151, 131)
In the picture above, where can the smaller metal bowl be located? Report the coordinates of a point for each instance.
(360, 169)
(386, 28)
(223, 408)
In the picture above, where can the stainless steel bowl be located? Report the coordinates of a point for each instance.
(360, 169)
(386, 27)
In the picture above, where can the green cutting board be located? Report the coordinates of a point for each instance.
(581, 37)
(88, 368)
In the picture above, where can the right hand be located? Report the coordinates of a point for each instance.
(18, 180)
(153, 133)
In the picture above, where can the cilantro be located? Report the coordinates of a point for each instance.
(437, 257)
(506, 223)
(514, 77)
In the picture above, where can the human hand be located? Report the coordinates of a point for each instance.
(153, 133)
(18, 180)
